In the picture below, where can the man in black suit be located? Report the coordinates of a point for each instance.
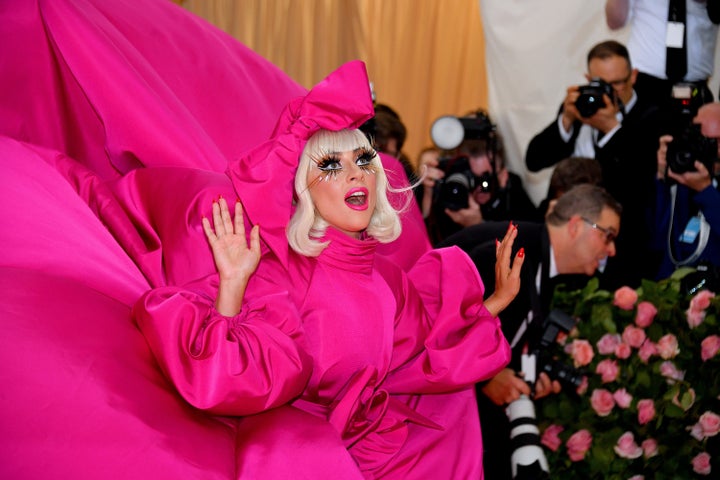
(622, 135)
(578, 234)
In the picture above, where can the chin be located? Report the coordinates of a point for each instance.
(482, 198)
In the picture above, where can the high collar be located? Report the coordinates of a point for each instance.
(348, 253)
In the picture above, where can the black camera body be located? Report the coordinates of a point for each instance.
(705, 276)
(688, 143)
(453, 190)
(450, 132)
(688, 146)
(528, 460)
(591, 97)
(557, 321)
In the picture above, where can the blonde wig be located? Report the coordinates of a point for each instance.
(307, 227)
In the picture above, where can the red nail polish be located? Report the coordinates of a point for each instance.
(521, 252)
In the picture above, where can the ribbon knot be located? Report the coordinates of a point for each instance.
(263, 178)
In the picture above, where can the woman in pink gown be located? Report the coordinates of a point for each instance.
(328, 326)
(119, 120)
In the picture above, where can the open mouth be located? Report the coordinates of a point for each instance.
(357, 199)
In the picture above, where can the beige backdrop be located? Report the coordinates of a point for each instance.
(428, 58)
(424, 57)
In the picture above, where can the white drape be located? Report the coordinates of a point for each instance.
(534, 49)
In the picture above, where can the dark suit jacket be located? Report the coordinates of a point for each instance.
(629, 163)
(479, 242)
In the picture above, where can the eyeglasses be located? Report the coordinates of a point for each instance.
(620, 83)
(609, 233)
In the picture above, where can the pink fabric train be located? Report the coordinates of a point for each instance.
(118, 122)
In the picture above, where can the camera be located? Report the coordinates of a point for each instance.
(527, 459)
(688, 143)
(705, 276)
(449, 132)
(688, 146)
(459, 182)
(591, 97)
(557, 321)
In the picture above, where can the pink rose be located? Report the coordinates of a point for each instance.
(647, 350)
(701, 463)
(626, 446)
(608, 343)
(625, 298)
(701, 301)
(650, 447)
(690, 401)
(710, 423)
(668, 346)
(578, 445)
(646, 411)
(623, 351)
(633, 336)
(602, 402)
(622, 398)
(709, 347)
(550, 437)
(582, 352)
(696, 432)
(646, 312)
(670, 371)
(608, 370)
(695, 317)
(637, 477)
(582, 389)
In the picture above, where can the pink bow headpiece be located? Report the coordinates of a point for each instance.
(263, 177)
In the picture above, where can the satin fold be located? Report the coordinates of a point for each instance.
(118, 125)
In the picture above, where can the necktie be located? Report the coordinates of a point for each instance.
(676, 59)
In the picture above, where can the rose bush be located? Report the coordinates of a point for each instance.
(649, 404)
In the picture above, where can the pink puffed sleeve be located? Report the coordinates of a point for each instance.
(229, 366)
(445, 337)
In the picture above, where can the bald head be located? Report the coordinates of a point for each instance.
(708, 117)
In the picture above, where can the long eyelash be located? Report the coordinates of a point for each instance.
(369, 155)
(323, 165)
(327, 174)
(324, 162)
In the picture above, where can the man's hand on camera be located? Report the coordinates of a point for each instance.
(698, 179)
(570, 112)
(466, 216)
(544, 386)
(605, 119)
(505, 387)
(432, 175)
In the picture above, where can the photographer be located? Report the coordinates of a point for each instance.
(608, 121)
(577, 235)
(688, 199)
(472, 184)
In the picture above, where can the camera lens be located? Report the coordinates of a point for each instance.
(591, 97)
(527, 459)
(455, 190)
(687, 147)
